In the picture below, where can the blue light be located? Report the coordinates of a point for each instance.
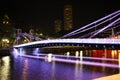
(36, 51)
(104, 46)
(96, 46)
(112, 46)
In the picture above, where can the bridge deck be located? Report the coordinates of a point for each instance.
(79, 41)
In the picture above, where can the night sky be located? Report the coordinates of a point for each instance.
(43, 13)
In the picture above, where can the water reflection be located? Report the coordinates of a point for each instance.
(25, 70)
(60, 67)
(53, 71)
(78, 71)
(5, 68)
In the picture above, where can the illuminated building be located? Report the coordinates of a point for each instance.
(68, 17)
(5, 20)
(58, 25)
(7, 30)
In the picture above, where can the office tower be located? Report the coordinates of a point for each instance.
(68, 17)
(57, 25)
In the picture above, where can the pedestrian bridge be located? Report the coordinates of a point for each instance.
(98, 34)
(101, 43)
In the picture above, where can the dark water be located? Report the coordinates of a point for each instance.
(22, 68)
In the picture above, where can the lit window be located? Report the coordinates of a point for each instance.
(7, 22)
(3, 22)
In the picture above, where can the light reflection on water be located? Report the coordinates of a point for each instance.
(29, 69)
(5, 68)
(25, 70)
(22, 68)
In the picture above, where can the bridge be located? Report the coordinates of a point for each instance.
(94, 43)
(102, 33)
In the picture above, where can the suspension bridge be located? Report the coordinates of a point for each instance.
(102, 33)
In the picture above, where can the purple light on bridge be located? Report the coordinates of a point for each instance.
(95, 25)
(106, 27)
(67, 60)
(114, 13)
(15, 52)
(104, 30)
(74, 41)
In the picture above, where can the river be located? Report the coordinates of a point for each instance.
(26, 68)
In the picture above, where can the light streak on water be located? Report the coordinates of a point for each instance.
(68, 60)
(53, 69)
(25, 70)
(81, 53)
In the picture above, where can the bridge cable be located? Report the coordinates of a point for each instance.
(96, 31)
(95, 25)
(92, 23)
(105, 27)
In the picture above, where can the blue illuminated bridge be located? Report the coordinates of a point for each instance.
(102, 34)
(91, 43)
(94, 50)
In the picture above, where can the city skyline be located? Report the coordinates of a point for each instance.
(43, 13)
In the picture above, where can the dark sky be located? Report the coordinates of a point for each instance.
(42, 13)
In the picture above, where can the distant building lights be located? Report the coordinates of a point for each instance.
(7, 22)
(41, 34)
(3, 22)
(5, 40)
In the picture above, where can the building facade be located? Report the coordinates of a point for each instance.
(57, 25)
(68, 23)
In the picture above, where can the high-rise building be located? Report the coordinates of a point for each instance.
(68, 23)
(58, 25)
